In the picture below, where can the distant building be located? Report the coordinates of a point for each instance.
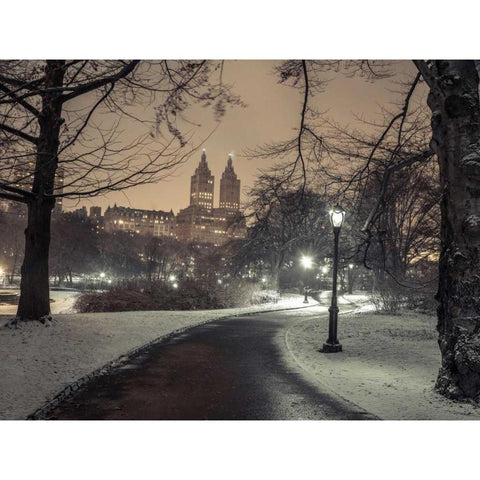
(59, 183)
(230, 188)
(96, 219)
(200, 221)
(144, 222)
(80, 212)
(95, 212)
(18, 173)
(201, 185)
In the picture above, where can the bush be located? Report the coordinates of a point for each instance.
(264, 296)
(390, 297)
(161, 296)
(115, 300)
(421, 300)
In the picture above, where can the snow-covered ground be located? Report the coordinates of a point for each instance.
(61, 302)
(37, 362)
(388, 365)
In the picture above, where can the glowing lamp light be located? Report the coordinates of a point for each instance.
(264, 280)
(337, 215)
(307, 262)
(324, 270)
(102, 275)
(350, 266)
(1, 272)
(172, 278)
(175, 285)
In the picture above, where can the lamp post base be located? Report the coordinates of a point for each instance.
(306, 301)
(331, 348)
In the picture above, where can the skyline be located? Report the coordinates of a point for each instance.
(271, 114)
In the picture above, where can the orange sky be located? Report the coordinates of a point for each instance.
(271, 114)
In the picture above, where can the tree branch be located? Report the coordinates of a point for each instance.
(425, 71)
(20, 101)
(18, 191)
(19, 133)
(88, 87)
(15, 198)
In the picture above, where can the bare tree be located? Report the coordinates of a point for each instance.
(284, 221)
(49, 122)
(453, 99)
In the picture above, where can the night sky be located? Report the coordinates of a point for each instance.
(271, 114)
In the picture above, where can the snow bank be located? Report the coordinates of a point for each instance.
(37, 362)
(388, 365)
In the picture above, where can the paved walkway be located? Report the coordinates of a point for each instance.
(225, 370)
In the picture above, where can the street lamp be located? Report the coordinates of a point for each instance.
(307, 263)
(337, 215)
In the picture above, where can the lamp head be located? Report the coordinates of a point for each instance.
(337, 215)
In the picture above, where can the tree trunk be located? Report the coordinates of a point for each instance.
(34, 300)
(350, 280)
(454, 102)
(276, 266)
(34, 290)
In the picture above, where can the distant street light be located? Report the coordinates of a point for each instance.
(102, 275)
(337, 215)
(307, 263)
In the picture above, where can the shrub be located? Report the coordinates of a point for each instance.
(390, 297)
(421, 300)
(161, 296)
(114, 300)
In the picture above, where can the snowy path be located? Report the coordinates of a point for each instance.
(231, 369)
(37, 362)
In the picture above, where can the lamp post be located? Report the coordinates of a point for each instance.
(337, 215)
(307, 263)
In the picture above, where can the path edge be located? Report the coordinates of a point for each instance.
(42, 412)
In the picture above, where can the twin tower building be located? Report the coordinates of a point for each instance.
(200, 221)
